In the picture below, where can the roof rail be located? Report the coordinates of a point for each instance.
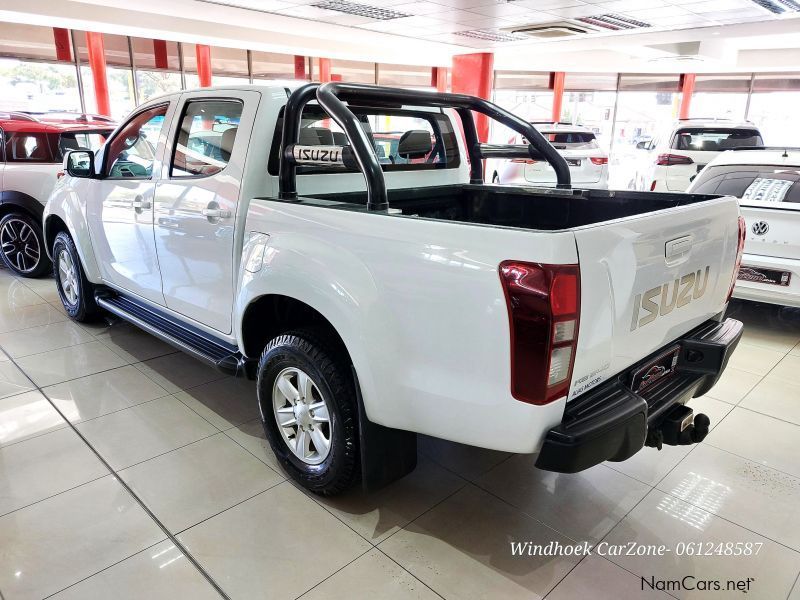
(17, 115)
(58, 115)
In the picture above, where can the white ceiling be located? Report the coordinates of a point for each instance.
(683, 35)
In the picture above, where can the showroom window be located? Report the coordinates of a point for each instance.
(589, 101)
(647, 106)
(269, 65)
(405, 76)
(206, 138)
(351, 71)
(118, 72)
(524, 93)
(32, 77)
(157, 65)
(773, 108)
(720, 96)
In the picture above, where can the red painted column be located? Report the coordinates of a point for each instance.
(439, 78)
(324, 70)
(687, 89)
(300, 67)
(557, 85)
(160, 53)
(61, 39)
(97, 63)
(203, 53)
(473, 74)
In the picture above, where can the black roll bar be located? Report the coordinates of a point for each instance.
(332, 97)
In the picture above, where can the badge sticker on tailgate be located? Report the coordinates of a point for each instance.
(658, 370)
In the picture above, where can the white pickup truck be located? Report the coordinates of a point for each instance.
(397, 293)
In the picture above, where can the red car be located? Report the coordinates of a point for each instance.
(32, 148)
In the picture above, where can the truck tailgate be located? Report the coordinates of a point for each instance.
(648, 279)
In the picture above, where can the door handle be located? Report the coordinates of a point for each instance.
(216, 213)
(140, 203)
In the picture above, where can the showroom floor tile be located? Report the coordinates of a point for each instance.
(130, 471)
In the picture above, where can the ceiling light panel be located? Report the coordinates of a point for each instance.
(360, 10)
(615, 22)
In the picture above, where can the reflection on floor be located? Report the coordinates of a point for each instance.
(183, 457)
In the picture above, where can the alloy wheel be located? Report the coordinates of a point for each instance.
(68, 277)
(20, 245)
(302, 415)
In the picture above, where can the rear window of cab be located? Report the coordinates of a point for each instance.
(385, 127)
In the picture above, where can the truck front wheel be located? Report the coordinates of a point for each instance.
(75, 291)
(308, 408)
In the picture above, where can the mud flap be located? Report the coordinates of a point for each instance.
(386, 454)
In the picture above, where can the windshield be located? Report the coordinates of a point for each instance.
(715, 139)
(751, 183)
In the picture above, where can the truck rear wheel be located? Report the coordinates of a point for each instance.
(308, 408)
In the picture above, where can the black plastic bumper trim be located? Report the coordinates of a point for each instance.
(610, 422)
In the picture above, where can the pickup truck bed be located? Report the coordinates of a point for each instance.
(546, 209)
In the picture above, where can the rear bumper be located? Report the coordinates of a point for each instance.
(610, 422)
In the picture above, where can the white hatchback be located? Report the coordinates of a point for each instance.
(767, 181)
(588, 162)
(676, 157)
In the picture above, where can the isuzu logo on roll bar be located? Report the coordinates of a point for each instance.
(673, 294)
(315, 155)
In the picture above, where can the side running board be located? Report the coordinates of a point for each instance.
(225, 357)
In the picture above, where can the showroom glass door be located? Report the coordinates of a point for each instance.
(120, 211)
(195, 205)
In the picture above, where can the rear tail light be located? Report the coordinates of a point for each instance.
(60, 174)
(739, 253)
(599, 160)
(543, 311)
(666, 160)
(524, 161)
(653, 185)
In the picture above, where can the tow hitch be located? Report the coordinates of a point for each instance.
(679, 427)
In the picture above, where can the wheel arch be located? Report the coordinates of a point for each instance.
(11, 200)
(270, 315)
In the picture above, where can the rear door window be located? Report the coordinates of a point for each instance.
(695, 139)
(28, 147)
(206, 137)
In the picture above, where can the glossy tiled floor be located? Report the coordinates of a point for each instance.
(130, 471)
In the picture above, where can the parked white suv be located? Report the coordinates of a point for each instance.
(395, 293)
(676, 156)
(588, 162)
(768, 183)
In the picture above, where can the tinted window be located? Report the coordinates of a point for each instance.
(28, 147)
(715, 139)
(573, 139)
(206, 138)
(385, 128)
(80, 140)
(736, 180)
(132, 152)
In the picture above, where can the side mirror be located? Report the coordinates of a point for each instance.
(80, 163)
(415, 143)
(643, 145)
